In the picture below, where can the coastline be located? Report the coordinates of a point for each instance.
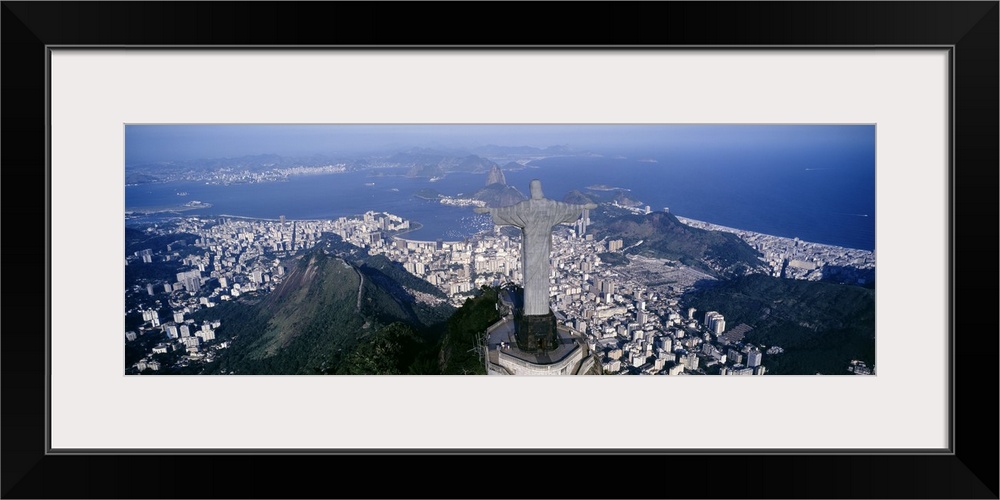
(399, 236)
(415, 226)
(716, 227)
(166, 209)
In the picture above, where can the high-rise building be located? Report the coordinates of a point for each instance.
(191, 280)
(719, 326)
(753, 358)
(709, 316)
(690, 361)
(190, 342)
(637, 335)
(637, 359)
(185, 331)
(715, 322)
(666, 343)
(734, 356)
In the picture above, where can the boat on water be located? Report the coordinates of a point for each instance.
(369, 184)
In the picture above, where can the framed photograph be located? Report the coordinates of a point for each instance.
(829, 140)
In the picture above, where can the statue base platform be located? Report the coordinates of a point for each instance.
(571, 356)
(536, 333)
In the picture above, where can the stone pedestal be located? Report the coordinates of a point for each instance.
(570, 357)
(536, 333)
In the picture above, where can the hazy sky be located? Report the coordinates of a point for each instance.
(152, 143)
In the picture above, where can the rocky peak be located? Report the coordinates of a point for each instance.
(495, 176)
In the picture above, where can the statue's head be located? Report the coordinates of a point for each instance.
(536, 189)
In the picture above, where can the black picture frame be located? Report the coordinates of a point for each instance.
(969, 28)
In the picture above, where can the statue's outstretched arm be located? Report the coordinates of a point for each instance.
(502, 215)
(570, 213)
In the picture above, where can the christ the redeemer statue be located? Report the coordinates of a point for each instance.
(536, 217)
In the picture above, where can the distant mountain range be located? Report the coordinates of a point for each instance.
(429, 163)
(494, 150)
(413, 162)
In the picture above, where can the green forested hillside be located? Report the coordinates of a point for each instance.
(663, 236)
(465, 331)
(330, 316)
(821, 326)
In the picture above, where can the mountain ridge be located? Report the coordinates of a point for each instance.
(663, 236)
(320, 314)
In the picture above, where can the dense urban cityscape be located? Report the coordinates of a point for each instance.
(631, 315)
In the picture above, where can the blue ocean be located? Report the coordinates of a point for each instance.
(822, 196)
